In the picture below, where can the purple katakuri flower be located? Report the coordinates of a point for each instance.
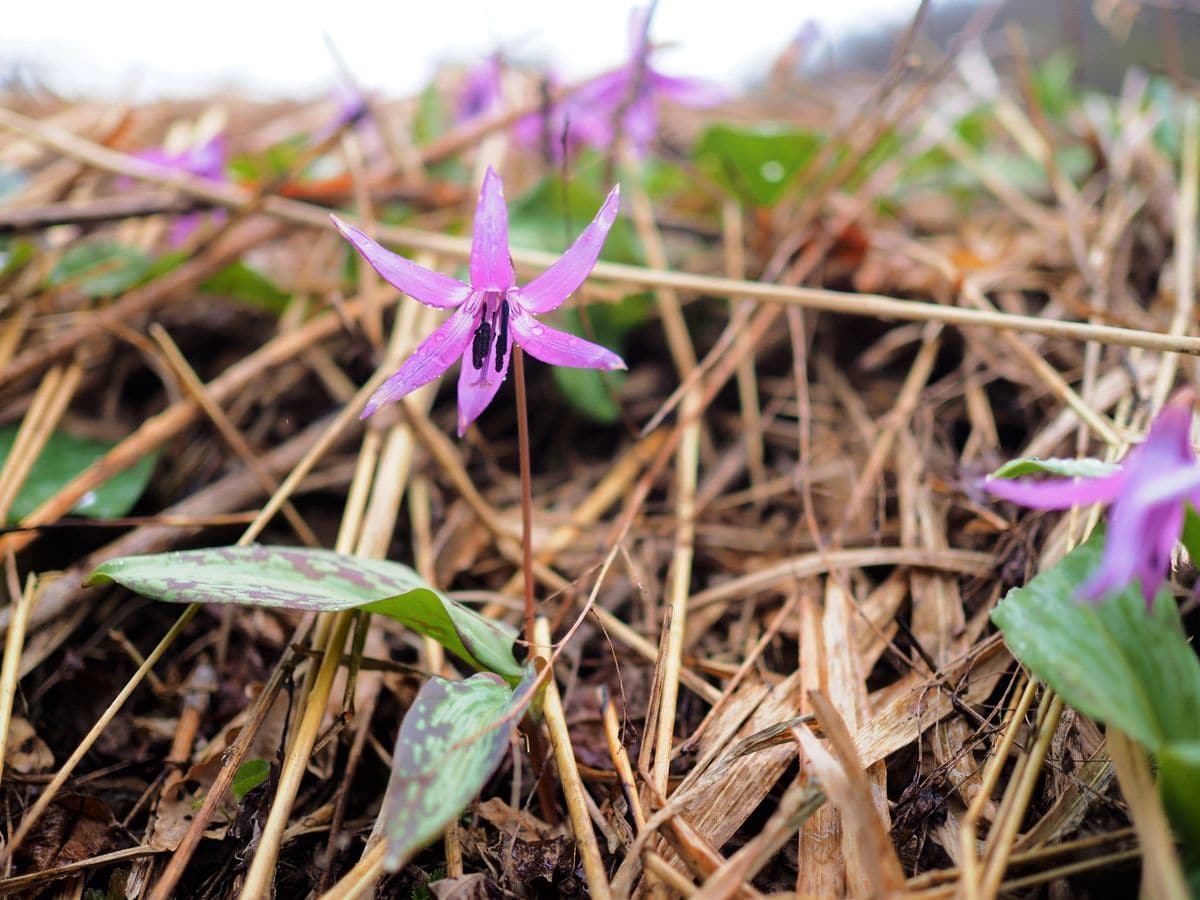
(204, 160)
(1148, 495)
(482, 89)
(630, 94)
(490, 313)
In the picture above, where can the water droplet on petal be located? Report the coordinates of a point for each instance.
(538, 330)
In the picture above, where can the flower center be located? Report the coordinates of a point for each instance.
(493, 323)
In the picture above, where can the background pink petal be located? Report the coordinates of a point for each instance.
(557, 283)
(1057, 493)
(429, 287)
(687, 91)
(1165, 485)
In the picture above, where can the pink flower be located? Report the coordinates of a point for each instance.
(491, 312)
(1148, 495)
(482, 89)
(206, 160)
(631, 94)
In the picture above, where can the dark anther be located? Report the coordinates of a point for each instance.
(483, 341)
(502, 335)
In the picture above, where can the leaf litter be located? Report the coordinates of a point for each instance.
(794, 634)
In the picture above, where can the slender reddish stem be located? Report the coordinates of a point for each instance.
(537, 744)
(518, 363)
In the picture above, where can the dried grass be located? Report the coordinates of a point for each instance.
(808, 544)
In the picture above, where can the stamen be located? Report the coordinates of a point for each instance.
(481, 345)
(502, 335)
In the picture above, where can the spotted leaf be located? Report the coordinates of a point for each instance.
(450, 742)
(321, 581)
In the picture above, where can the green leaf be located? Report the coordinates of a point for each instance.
(14, 255)
(450, 742)
(1162, 97)
(64, 457)
(249, 775)
(319, 580)
(1065, 468)
(1190, 538)
(1116, 660)
(245, 285)
(550, 216)
(101, 268)
(591, 392)
(1178, 777)
(756, 164)
(432, 118)
(1054, 84)
(276, 161)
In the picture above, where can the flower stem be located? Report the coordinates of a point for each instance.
(537, 744)
(518, 364)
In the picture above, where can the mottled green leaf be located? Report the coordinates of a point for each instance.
(1064, 468)
(757, 164)
(102, 268)
(249, 775)
(451, 741)
(1116, 660)
(320, 580)
(64, 457)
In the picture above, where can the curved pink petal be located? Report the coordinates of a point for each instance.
(481, 91)
(208, 159)
(433, 356)
(559, 348)
(429, 287)
(1137, 546)
(477, 387)
(1168, 445)
(1116, 570)
(686, 91)
(640, 122)
(183, 228)
(1165, 486)
(1164, 526)
(159, 157)
(557, 283)
(603, 94)
(1057, 493)
(491, 266)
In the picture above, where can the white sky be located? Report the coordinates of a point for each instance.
(148, 48)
